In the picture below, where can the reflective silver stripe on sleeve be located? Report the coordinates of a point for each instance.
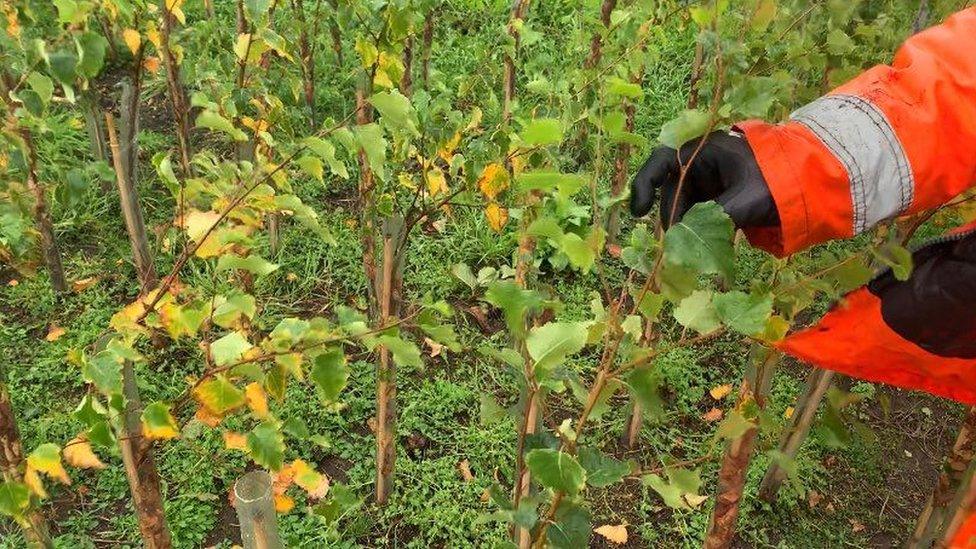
(863, 141)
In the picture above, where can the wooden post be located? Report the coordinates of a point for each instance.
(390, 295)
(34, 524)
(129, 127)
(254, 502)
(818, 381)
(134, 224)
(738, 454)
(937, 512)
(42, 217)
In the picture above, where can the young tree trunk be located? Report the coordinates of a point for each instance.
(633, 426)
(406, 81)
(818, 381)
(106, 27)
(177, 94)
(134, 224)
(621, 174)
(735, 464)
(697, 68)
(208, 5)
(961, 509)
(140, 467)
(517, 12)
(428, 45)
(241, 18)
(11, 461)
(49, 243)
(596, 43)
(307, 63)
(953, 475)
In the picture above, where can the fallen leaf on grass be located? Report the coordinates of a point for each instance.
(54, 333)
(814, 498)
(465, 467)
(721, 391)
(788, 413)
(84, 284)
(613, 533)
(435, 348)
(712, 415)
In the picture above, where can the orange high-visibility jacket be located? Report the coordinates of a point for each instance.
(896, 140)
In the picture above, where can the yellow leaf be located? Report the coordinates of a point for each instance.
(436, 182)
(78, 453)
(493, 180)
(13, 282)
(158, 422)
(283, 503)
(712, 415)
(152, 34)
(132, 40)
(464, 466)
(283, 478)
(313, 482)
(13, 25)
(54, 333)
(178, 14)
(721, 391)
(46, 458)
(256, 399)
(235, 441)
(382, 79)
(613, 533)
(497, 216)
(34, 482)
(207, 417)
(788, 413)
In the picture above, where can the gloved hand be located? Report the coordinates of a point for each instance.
(724, 170)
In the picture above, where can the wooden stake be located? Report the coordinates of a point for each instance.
(134, 224)
(517, 12)
(386, 404)
(818, 381)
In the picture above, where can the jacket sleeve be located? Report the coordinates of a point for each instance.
(895, 140)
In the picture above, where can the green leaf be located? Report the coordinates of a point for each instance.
(92, 47)
(702, 241)
(312, 165)
(63, 64)
(516, 303)
(567, 184)
(229, 348)
(896, 257)
(14, 499)
(742, 312)
(396, 111)
(733, 426)
(683, 128)
(104, 370)
(549, 345)
(571, 529)
(601, 469)
(370, 138)
(252, 263)
(42, 85)
(579, 252)
(219, 395)
(680, 491)
(231, 308)
(255, 9)
(330, 373)
(404, 352)
(214, 121)
(556, 470)
(838, 43)
(644, 385)
(266, 445)
(620, 87)
(326, 151)
(677, 282)
(541, 132)
(697, 312)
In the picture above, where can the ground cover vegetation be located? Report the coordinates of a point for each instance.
(380, 249)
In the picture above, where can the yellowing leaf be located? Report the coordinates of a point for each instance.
(712, 415)
(235, 441)
(493, 180)
(447, 151)
(788, 413)
(283, 503)
(34, 482)
(613, 533)
(207, 417)
(721, 391)
(158, 422)
(256, 399)
(313, 482)
(46, 458)
(152, 34)
(132, 40)
(54, 333)
(497, 216)
(436, 182)
(78, 453)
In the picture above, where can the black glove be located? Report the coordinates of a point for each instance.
(724, 170)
